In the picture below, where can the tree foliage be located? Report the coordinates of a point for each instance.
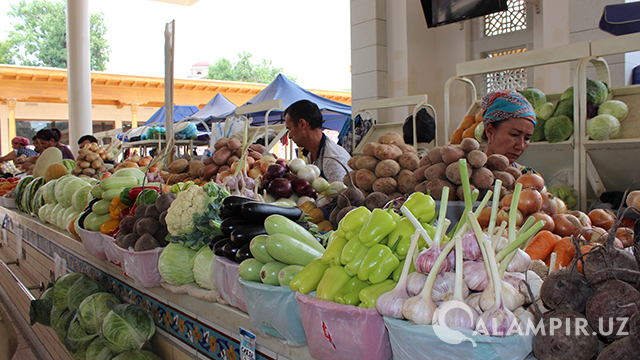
(39, 37)
(244, 70)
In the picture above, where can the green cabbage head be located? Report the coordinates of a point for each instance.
(94, 308)
(603, 127)
(127, 327)
(535, 97)
(545, 111)
(81, 289)
(558, 129)
(203, 268)
(94, 348)
(616, 108)
(175, 264)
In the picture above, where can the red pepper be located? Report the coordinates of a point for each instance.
(134, 192)
(114, 233)
(124, 212)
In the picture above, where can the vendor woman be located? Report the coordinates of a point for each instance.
(19, 145)
(49, 138)
(509, 121)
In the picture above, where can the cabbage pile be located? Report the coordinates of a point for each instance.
(91, 323)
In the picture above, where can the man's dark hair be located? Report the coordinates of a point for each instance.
(305, 109)
(91, 138)
(48, 134)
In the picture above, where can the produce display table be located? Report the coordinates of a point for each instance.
(186, 327)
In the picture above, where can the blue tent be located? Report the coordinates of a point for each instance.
(179, 112)
(334, 113)
(218, 108)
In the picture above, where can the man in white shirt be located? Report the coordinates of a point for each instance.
(303, 120)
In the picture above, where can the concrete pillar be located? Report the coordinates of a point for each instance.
(551, 29)
(134, 116)
(79, 71)
(11, 104)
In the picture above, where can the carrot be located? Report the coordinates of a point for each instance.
(584, 249)
(565, 252)
(542, 245)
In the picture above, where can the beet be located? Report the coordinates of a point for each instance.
(621, 350)
(566, 289)
(352, 196)
(614, 299)
(563, 345)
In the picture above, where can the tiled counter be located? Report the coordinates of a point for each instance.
(187, 328)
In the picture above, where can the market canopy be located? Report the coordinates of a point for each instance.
(179, 112)
(334, 114)
(217, 109)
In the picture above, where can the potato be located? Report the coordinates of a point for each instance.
(482, 178)
(409, 186)
(194, 168)
(418, 174)
(409, 161)
(209, 171)
(234, 144)
(352, 162)
(514, 172)
(232, 159)
(451, 153)
(369, 149)
(259, 148)
(421, 187)
(497, 162)
(395, 195)
(387, 168)
(254, 154)
(221, 155)
(425, 161)
(476, 158)
(383, 152)
(434, 187)
(460, 191)
(238, 152)
(385, 185)
(365, 179)
(178, 166)
(96, 164)
(391, 138)
(353, 177)
(436, 171)
(367, 162)
(224, 168)
(84, 164)
(469, 144)
(434, 155)
(89, 171)
(507, 179)
(407, 149)
(453, 173)
(403, 176)
(220, 143)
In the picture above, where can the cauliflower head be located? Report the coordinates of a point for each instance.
(180, 216)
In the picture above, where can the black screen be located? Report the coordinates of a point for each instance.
(441, 12)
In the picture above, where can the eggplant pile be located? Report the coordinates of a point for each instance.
(243, 220)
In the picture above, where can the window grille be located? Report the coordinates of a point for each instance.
(510, 20)
(506, 79)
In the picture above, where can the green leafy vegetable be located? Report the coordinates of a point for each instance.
(597, 92)
(126, 327)
(60, 321)
(40, 309)
(545, 111)
(81, 289)
(175, 264)
(616, 108)
(566, 194)
(538, 132)
(203, 268)
(564, 108)
(94, 308)
(77, 338)
(94, 348)
(535, 97)
(61, 288)
(603, 127)
(558, 129)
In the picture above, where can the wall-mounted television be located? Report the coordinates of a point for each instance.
(442, 12)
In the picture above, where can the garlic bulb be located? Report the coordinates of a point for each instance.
(475, 275)
(535, 283)
(415, 283)
(456, 313)
(511, 297)
(470, 249)
(515, 279)
(427, 257)
(473, 300)
(390, 303)
(444, 286)
(501, 242)
(520, 262)
(524, 318)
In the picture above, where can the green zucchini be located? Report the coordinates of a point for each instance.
(118, 182)
(290, 251)
(258, 249)
(278, 224)
(111, 193)
(287, 273)
(250, 270)
(101, 207)
(270, 271)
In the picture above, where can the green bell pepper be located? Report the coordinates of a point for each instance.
(360, 252)
(398, 271)
(378, 264)
(334, 279)
(333, 252)
(354, 219)
(147, 196)
(400, 238)
(348, 293)
(349, 250)
(369, 295)
(308, 278)
(422, 206)
(377, 227)
(124, 197)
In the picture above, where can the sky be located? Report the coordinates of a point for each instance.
(310, 40)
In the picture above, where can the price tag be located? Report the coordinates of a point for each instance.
(247, 345)
(19, 242)
(60, 265)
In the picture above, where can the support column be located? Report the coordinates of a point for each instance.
(134, 116)
(11, 104)
(79, 71)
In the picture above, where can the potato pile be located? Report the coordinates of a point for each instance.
(440, 168)
(386, 166)
(182, 170)
(89, 162)
(146, 228)
(467, 128)
(225, 160)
